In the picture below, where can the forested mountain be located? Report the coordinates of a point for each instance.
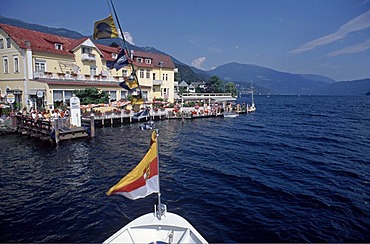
(346, 88)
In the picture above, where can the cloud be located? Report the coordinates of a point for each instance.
(361, 22)
(127, 37)
(197, 63)
(352, 49)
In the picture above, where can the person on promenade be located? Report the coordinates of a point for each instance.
(56, 114)
(47, 115)
(24, 111)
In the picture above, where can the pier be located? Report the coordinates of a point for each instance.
(53, 131)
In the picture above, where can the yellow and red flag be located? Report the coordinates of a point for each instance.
(143, 179)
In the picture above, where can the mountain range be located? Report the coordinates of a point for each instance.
(264, 80)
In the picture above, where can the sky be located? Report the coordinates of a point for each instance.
(324, 37)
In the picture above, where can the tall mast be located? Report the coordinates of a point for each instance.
(252, 93)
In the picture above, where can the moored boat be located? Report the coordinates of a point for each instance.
(230, 114)
(251, 108)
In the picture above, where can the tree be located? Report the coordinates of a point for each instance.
(215, 84)
(113, 44)
(231, 88)
(91, 95)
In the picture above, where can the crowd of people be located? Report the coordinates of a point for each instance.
(44, 114)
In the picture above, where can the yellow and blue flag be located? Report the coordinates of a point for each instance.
(130, 83)
(105, 28)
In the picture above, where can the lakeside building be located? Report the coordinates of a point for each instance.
(42, 70)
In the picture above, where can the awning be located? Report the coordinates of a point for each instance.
(4, 106)
(34, 91)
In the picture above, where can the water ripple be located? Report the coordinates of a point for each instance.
(290, 172)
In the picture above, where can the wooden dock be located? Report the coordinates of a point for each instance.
(53, 131)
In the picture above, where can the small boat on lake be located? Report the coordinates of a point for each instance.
(230, 114)
(251, 108)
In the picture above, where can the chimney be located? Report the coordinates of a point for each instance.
(132, 55)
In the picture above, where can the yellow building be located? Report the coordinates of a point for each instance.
(43, 70)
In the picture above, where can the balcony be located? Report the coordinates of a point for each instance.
(38, 75)
(88, 57)
(157, 82)
(104, 77)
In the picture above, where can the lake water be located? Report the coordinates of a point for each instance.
(296, 170)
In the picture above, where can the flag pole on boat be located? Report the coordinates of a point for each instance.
(160, 205)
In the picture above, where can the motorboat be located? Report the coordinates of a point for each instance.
(230, 114)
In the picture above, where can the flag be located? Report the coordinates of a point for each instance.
(121, 60)
(129, 83)
(105, 28)
(137, 99)
(143, 179)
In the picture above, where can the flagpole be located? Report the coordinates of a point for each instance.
(123, 41)
(159, 207)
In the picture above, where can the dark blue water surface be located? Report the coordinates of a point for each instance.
(296, 170)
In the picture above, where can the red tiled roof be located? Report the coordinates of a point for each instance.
(107, 51)
(156, 59)
(43, 42)
(39, 41)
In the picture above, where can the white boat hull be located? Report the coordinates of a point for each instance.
(172, 228)
(230, 115)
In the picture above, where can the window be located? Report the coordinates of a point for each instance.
(6, 65)
(165, 77)
(86, 50)
(164, 92)
(153, 76)
(145, 95)
(40, 66)
(1, 43)
(148, 61)
(114, 55)
(112, 96)
(139, 60)
(141, 74)
(58, 46)
(57, 95)
(67, 96)
(148, 74)
(124, 73)
(92, 70)
(16, 64)
(8, 42)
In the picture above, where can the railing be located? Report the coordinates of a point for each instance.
(75, 77)
(88, 56)
(206, 95)
(157, 82)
